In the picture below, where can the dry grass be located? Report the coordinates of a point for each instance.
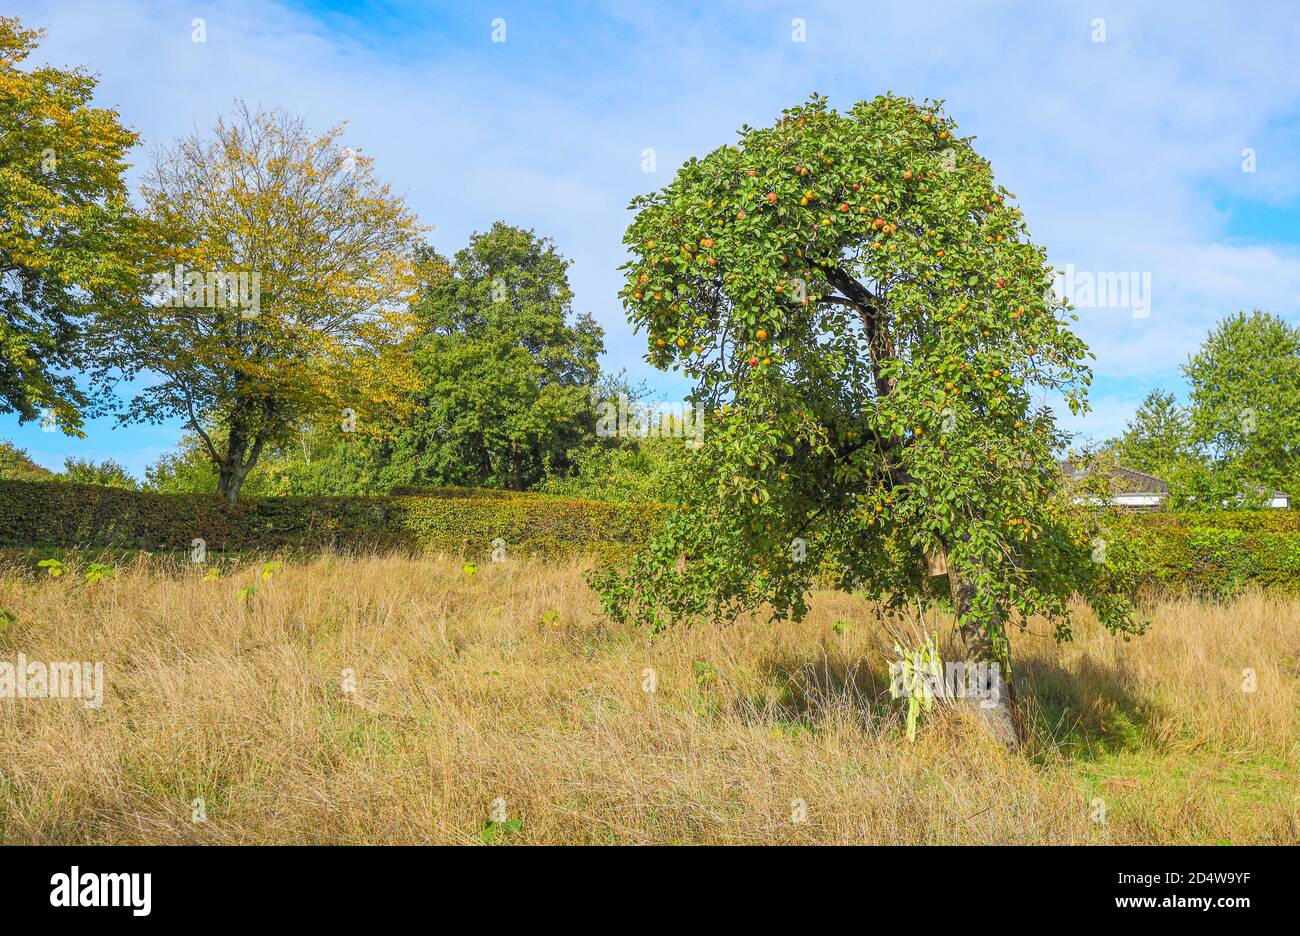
(468, 690)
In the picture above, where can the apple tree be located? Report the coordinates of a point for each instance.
(867, 323)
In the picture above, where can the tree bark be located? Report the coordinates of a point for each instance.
(997, 716)
(241, 457)
(516, 471)
(229, 482)
(230, 477)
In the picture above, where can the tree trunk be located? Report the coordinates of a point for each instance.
(997, 714)
(240, 459)
(229, 481)
(516, 472)
(982, 645)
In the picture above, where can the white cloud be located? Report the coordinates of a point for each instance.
(1111, 147)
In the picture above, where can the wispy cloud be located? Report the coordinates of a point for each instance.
(1111, 146)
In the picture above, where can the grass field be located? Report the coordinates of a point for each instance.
(508, 685)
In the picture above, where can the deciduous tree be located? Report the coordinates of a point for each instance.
(281, 287)
(66, 233)
(1158, 437)
(864, 314)
(507, 370)
(107, 473)
(17, 465)
(1245, 399)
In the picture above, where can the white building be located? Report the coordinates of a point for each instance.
(1136, 490)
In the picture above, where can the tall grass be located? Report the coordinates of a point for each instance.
(508, 685)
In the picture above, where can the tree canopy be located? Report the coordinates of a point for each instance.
(1245, 399)
(1158, 439)
(107, 473)
(281, 276)
(17, 465)
(67, 238)
(507, 370)
(1235, 441)
(866, 319)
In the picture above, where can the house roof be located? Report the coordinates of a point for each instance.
(1121, 480)
(1266, 492)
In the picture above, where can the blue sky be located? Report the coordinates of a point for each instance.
(1125, 154)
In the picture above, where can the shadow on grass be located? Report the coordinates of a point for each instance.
(1090, 711)
(807, 692)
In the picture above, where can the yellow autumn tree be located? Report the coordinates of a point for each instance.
(279, 292)
(66, 232)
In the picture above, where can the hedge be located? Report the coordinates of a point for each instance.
(41, 514)
(1215, 553)
(458, 492)
(1210, 553)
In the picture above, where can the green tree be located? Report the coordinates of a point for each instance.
(282, 277)
(312, 460)
(187, 470)
(1245, 399)
(507, 371)
(320, 461)
(107, 473)
(625, 471)
(1158, 439)
(865, 318)
(67, 237)
(17, 465)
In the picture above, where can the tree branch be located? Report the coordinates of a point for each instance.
(194, 422)
(872, 313)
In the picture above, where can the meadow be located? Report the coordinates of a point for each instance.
(408, 699)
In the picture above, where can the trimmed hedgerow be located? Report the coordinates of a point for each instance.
(457, 492)
(52, 514)
(1214, 553)
(1211, 553)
